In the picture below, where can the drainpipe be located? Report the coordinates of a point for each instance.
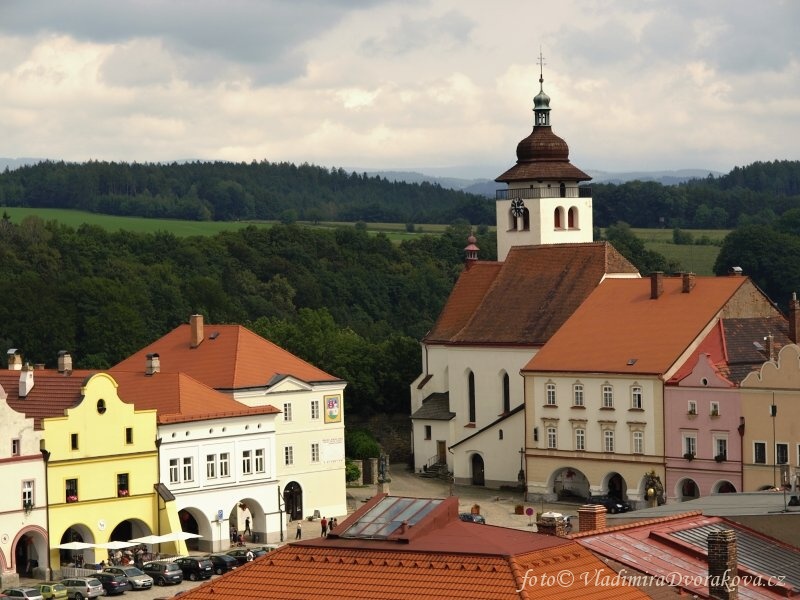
(46, 458)
(741, 453)
(280, 511)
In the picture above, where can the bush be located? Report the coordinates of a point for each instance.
(360, 444)
(351, 471)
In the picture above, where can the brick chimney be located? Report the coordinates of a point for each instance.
(794, 318)
(196, 327)
(25, 380)
(64, 362)
(656, 284)
(769, 346)
(14, 360)
(591, 517)
(152, 364)
(722, 565)
(688, 282)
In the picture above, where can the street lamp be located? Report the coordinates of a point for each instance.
(773, 412)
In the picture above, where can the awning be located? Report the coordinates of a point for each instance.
(115, 545)
(75, 546)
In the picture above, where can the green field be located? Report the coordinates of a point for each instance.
(696, 258)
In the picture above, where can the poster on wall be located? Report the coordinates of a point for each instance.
(333, 409)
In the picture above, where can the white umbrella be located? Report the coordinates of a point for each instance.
(75, 546)
(115, 545)
(178, 536)
(147, 539)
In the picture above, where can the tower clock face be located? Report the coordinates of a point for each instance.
(517, 207)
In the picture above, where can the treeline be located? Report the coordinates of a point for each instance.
(226, 191)
(353, 304)
(756, 194)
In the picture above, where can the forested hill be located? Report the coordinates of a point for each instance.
(225, 191)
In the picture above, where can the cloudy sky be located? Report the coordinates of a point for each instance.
(376, 84)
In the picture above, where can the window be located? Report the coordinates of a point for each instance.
(73, 441)
(260, 468)
(636, 397)
(580, 439)
(608, 396)
(15, 448)
(247, 462)
(122, 485)
(506, 393)
(27, 494)
(781, 454)
(314, 453)
(224, 464)
(550, 394)
(500, 434)
(714, 409)
(428, 432)
(188, 468)
(692, 410)
(471, 396)
(129, 435)
(211, 466)
(638, 442)
(288, 455)
(689, 444)
(577, 394)
(608, 440)
(721, 448)
(760, 453)
(287, 411)
(552, 438)
(174, 477)
(71, 489)
(314, 410)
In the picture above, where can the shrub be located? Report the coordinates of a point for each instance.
(360, 444)
(351, 471)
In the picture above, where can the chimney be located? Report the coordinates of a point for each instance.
(25, 380)
(688, 282)
(14, 360)
(196, 327)
(152, 364)
(769, 346)
(591, 517)
(794, 318)
(471, 252)
(656, 284)
(64, 362)
(551, 523)
(722, 565)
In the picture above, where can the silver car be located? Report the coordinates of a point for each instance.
(27, 593)
(137, 580)
(79, 588)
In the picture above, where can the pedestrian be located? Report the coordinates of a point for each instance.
(335, 523)
(247, 526)
(233, 534)
(331, 524)
(324, 524)
(299, 534)
(249, 555)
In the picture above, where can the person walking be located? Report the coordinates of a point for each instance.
(247, 526)
(299, 534)
(324, 524)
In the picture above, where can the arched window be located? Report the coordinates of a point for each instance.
(526, 219)
(557, 218)
(562, 190)
(506, 393)
(471, 392)
(572, 218)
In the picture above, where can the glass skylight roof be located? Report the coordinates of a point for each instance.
(385, 517)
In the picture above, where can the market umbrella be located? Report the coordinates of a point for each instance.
(178, 536)
(147, 539)
(115, 545)
(75, 546)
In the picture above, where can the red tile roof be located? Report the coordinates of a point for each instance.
(619, 324)
(229, 357)
(178, 398)
(52, 392)
(526, 298)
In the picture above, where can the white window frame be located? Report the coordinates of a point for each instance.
(287, 412)
(607, 391)
(608, 440)
(691, 407)
(174, 470)
(16, 447)
(288, 455)
(247, 462)
(689, 443)
(638, 442)
(577, 395)
(260, 460)
(315, 410)
(224, 464)
(550, 393)
(211, 466)
(713, 409)
(637, 401)
(187, 468)
(720, 443)
(757, 443)
(785, 446)
(580, 439)
(315, 452)
(552, 438)
(27, 491)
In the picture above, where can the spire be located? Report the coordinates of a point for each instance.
(541, 102)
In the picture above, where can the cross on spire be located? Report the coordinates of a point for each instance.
(541, 63)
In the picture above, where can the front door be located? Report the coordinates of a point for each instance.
(441, 452)
(293, 501)
(477, 470)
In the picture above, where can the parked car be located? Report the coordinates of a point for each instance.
(613, 506)
(163, 573)
(222, 563)
(28, 593)
(52, 590)
(137, 580)
(195, 568)
(113, 584)
(470, 518)
(79, 588)
(240, 554)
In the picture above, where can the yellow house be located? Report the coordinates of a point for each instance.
(102, 475)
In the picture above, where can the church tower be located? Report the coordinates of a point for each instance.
(542, 203)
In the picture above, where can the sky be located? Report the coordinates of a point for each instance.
(434, 85)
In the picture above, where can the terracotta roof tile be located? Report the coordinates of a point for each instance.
(619, 323)
(526, 298)
(52, 393)
(746, 348)
(229, 357)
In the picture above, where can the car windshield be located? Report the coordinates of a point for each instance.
(132, 571)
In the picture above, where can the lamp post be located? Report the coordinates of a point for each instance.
(773, 412)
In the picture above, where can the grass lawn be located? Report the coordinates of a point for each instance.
(692, 257)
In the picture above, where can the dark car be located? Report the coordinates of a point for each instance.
(164, 573)
(113, 584)
(195, 568)
(470, 518)
(222, 563)
(613, 505)
(240, 554)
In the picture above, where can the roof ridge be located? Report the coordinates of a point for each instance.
(635, 524)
